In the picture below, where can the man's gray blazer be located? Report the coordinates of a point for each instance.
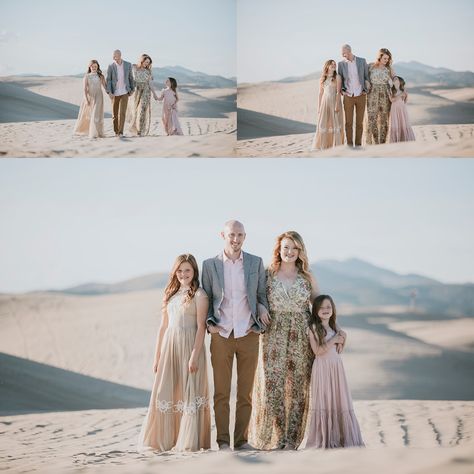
(112, 77)
(362, 71)
(255, 282)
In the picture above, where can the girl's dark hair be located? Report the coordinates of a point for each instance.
(91, 62)
(315, 323)
(174, 86)
(402, 84)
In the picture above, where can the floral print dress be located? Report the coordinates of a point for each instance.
(378, 105)
(281, 389)
(141, 113)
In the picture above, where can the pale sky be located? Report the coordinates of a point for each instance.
(277, 38)
(67, 222)
(59, 37)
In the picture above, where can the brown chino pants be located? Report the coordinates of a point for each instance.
(358, 103)
(223, 350)
(119, 108)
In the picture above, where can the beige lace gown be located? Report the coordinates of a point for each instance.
(378, 105)
(178, 416)
(140, 117)
(90, 120)
(330, 128)
(281, 389)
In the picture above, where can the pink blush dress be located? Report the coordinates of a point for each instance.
(332, 421)
(400, 128)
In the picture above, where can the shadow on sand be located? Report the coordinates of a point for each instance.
(30, 387)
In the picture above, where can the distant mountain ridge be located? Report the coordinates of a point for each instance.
(415, 73)
(351, 281)
(188, 77)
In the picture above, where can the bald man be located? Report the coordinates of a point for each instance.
(119, 85)
(235, 282)
(355, 86)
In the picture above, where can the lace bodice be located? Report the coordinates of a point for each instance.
(182, 315)
(329, 86)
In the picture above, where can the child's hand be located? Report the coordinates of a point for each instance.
(192, 366)
(265, 317)
(339, 348)
(338, 339)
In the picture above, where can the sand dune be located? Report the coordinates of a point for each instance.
(33, 123)
(19, 104)
(203, 137)
(431, 141)
(252, 124)
(31, 387)
(95, 352)
(443, 122)
(401, 437)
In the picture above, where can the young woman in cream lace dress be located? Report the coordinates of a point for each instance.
(178, 417)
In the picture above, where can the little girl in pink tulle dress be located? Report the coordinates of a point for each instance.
(169, 115)
(400, 128)
(332, 422)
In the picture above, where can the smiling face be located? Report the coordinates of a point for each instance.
(332, 68)
(234, 236)
(384, 59)
(185, 274)
(146, 63)
(396, 83)
(347, 53)
(117, 55)
(289, 252)
(93, 67)
(325, 311)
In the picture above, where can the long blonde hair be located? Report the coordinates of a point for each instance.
(382, 52)
(302, 261)
(173, 283)
(325, 73)
(142, 59)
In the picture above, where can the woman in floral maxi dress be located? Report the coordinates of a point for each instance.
(141, 112)
(281, 389)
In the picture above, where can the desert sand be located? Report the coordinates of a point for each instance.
(76, 375)
(279, 119)
(39, 113)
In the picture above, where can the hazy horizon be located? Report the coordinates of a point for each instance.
(275, 41)
(317, 71)
(167, 271)
(200, 35)
(69, 222)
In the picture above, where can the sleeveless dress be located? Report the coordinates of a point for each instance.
(141, 112)
(332, 422)
(178, 417)
(400, 128)
(378, 105)
(281, 389)
(170, 113)
(90, 120)
(330, 130)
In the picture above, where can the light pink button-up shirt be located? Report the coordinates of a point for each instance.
(353, 85)
(120, 89)
(235, 312)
